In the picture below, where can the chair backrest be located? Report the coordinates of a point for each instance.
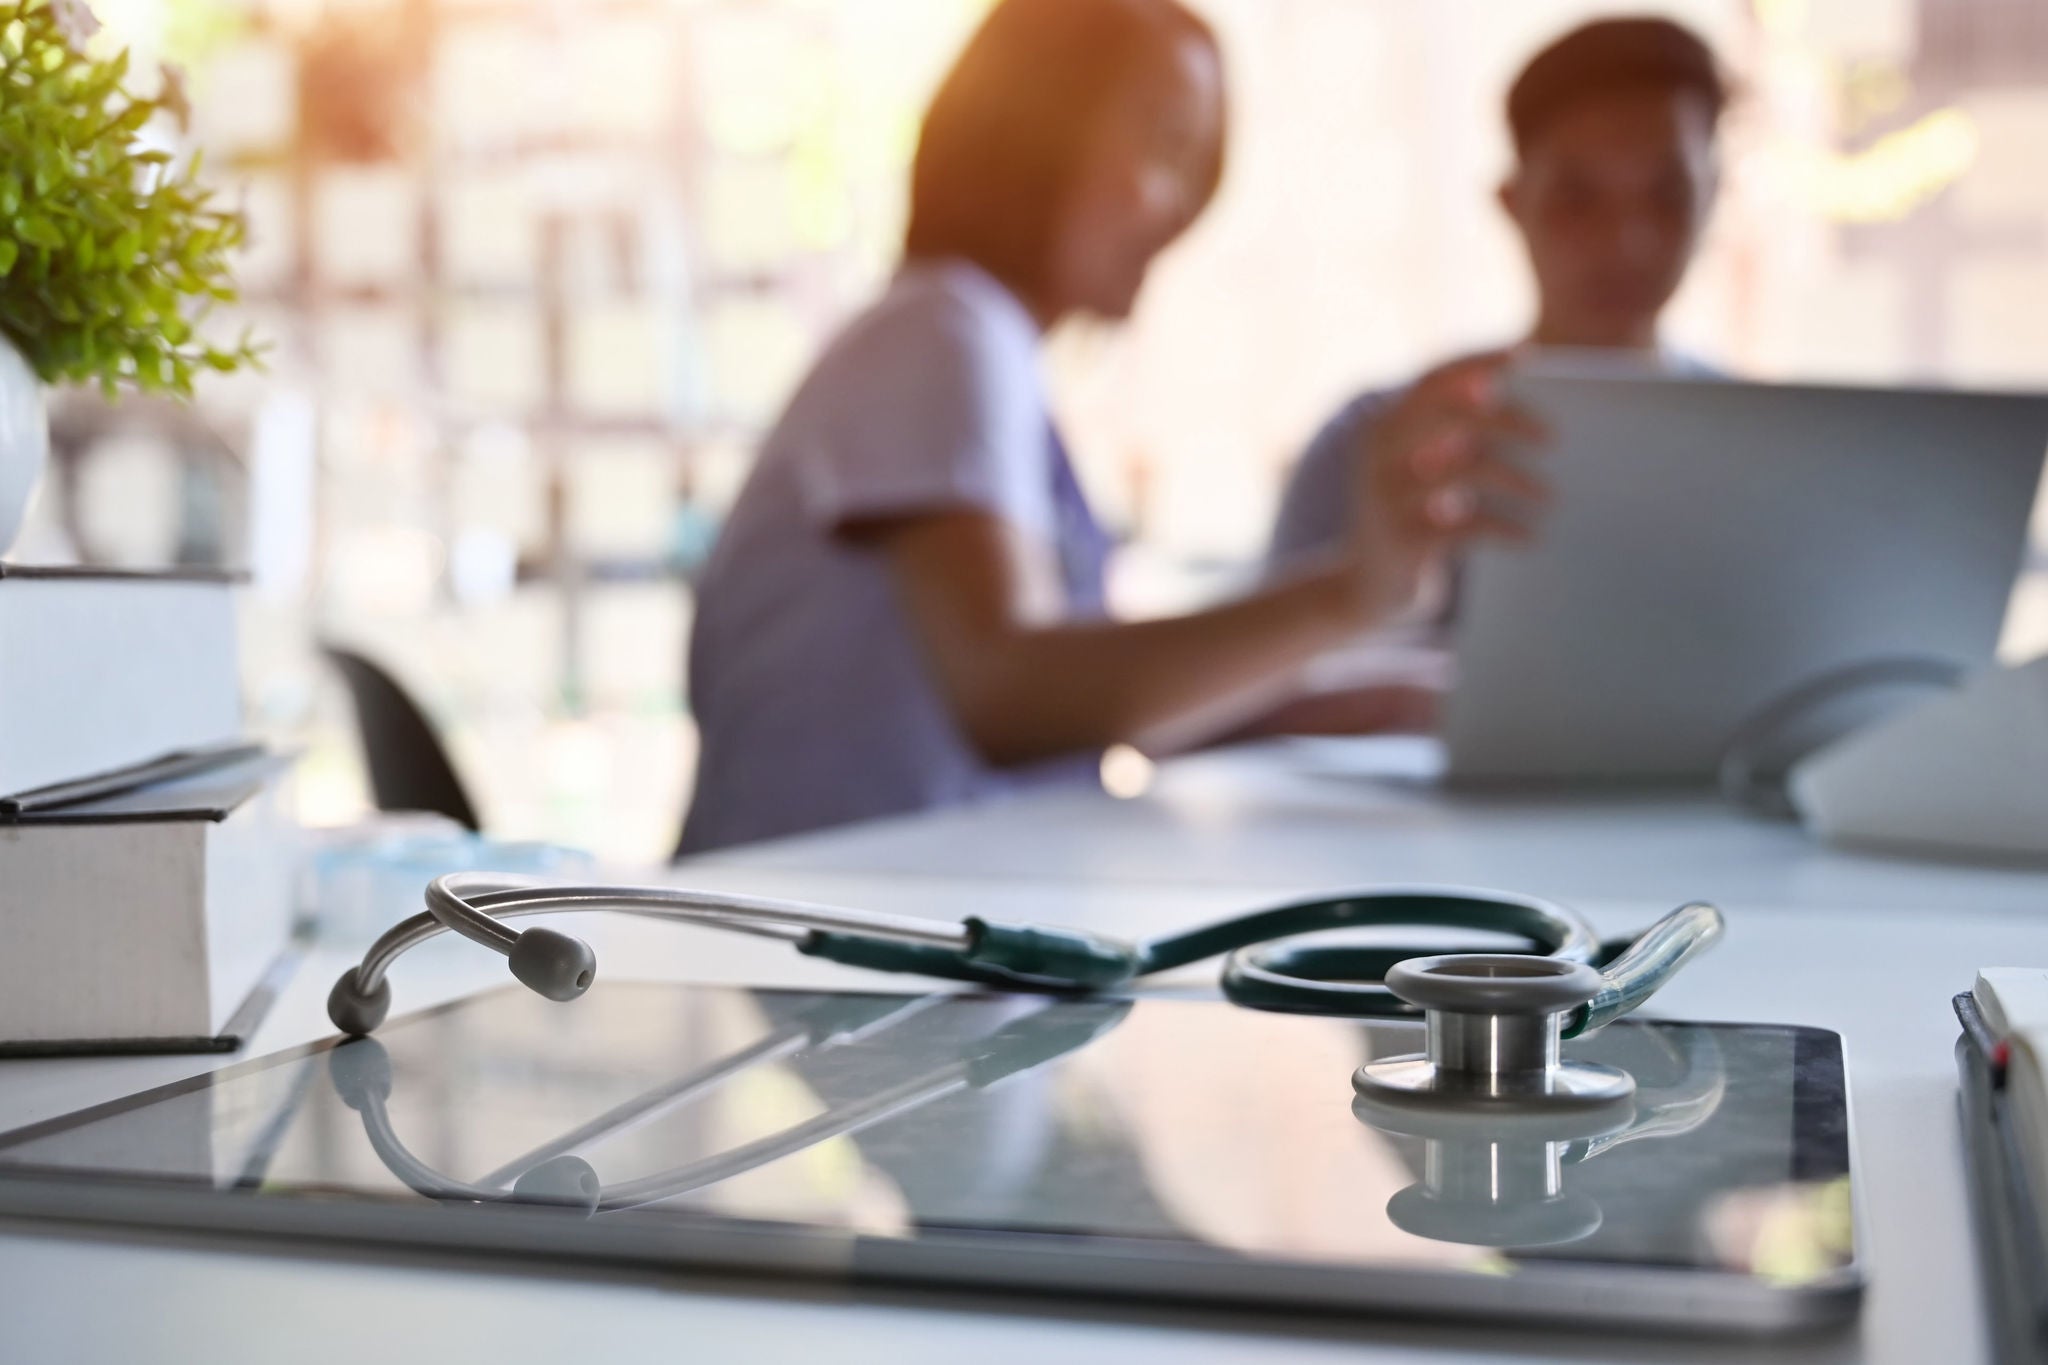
(409, 770)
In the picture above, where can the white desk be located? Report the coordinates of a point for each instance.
(1312, 814)
(1869, 947)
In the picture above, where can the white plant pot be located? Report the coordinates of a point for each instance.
(24, 441)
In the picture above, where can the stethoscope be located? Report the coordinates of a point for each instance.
(1495, 1020)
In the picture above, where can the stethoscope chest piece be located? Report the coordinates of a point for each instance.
(1496, 1023)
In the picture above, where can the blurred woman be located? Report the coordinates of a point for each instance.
(905, 609)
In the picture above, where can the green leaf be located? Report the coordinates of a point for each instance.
(37, 230)
(9, 254)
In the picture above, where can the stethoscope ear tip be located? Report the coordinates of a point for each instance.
(557, 965)
(354, 1011)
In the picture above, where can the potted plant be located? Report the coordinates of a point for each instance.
(110, 251)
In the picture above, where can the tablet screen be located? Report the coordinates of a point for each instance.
(1160, 1126)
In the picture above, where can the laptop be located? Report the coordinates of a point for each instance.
(1714, 545)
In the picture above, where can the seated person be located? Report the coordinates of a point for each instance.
(905, 608)
(1614, 130)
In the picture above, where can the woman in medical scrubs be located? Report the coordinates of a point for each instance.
(905, 608)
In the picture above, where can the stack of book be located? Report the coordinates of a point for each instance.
(145, 867)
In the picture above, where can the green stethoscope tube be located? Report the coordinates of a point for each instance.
(1266, 966)
(1265, 970)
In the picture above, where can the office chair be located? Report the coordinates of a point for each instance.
(409, 770)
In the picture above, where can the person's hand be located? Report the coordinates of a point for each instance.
(1432, 476)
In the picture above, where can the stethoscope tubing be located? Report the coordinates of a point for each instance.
(1270, 963)
(1259, 971)
(473, 904)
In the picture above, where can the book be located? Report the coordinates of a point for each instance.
(152, 919)
(104, 669)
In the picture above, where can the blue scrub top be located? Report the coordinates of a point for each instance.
(813, 700)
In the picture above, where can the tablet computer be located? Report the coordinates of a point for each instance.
(1713, 545)
(1082, 1149)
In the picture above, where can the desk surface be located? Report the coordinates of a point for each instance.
(1320, 813)
(1869, 947)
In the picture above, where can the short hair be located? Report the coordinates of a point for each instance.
(1006, 132)
(1609, 55)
